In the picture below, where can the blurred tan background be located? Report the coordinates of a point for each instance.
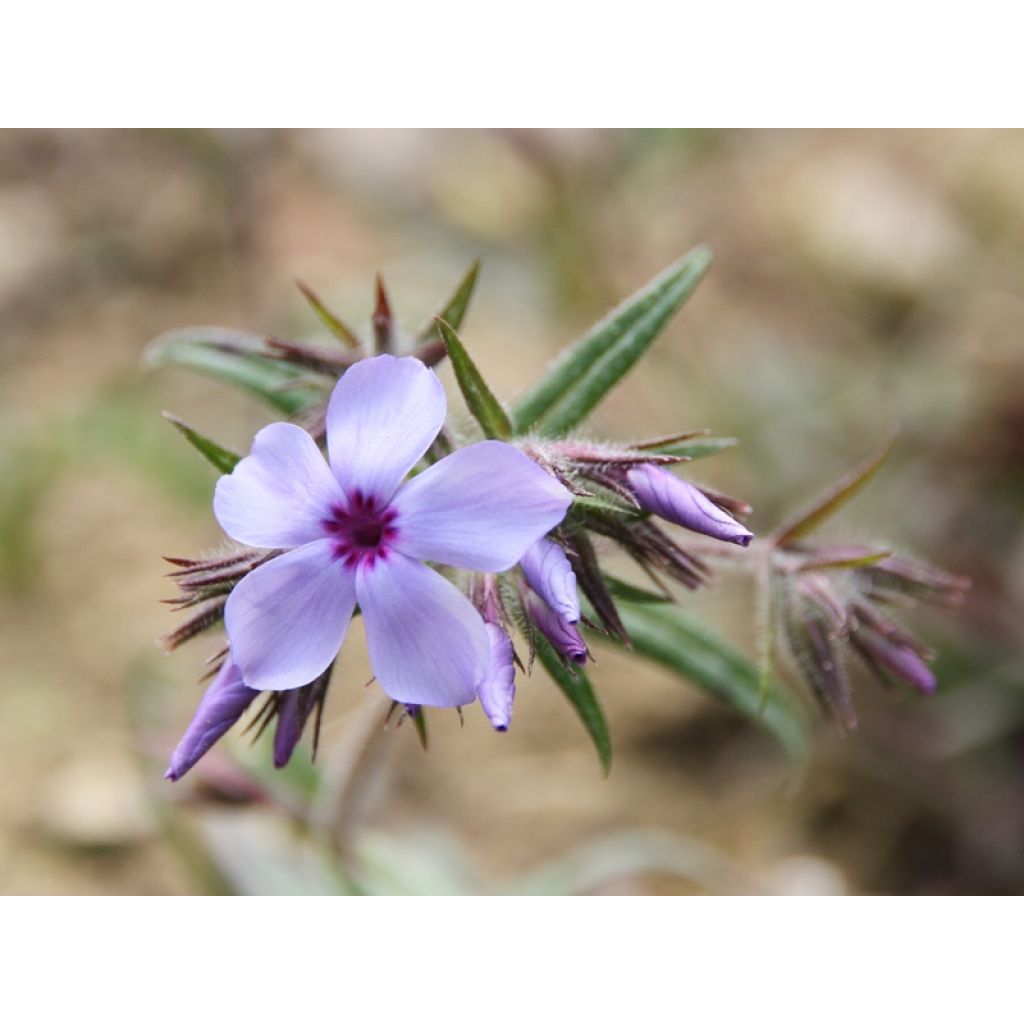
(860, 279)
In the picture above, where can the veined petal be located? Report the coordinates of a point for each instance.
(382, 417)
(278, 496)
(479, 508)
(427, 642)
(547, 570)
(287, 619)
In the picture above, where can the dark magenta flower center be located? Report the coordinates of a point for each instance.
(363, 530)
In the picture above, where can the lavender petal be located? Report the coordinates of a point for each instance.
(382, 417)
(278, 496)
(427, 642)
(479, 508)
(286, 620)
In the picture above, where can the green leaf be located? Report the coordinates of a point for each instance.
(236, 357)
(842, 558)
(454, 310)
(596, 503)
(594, 364)
(696, 448)
(576, 686)
(218, 457)
(481, 402)
(837, 495)
(333, 323)
(629, 592)
(663, 634)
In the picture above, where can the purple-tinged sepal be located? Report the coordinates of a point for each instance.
(497, 691)
(550, 576)
(815, 624)
(660, 492)
(225, 701)
(562, 635)
(899, 580)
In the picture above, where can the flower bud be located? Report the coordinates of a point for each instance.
(290, 722)
(562, 635)
(664, 494)
(900, 660)
(497, 691)
(222, 705)
(550, 576)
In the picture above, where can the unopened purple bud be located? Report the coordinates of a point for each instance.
(497, 691)
(562, 635)
(664, 494)
(224, 702)
(292, 712)
(899, 659)
(550, 576)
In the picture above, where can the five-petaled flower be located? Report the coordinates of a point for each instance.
(354, 533)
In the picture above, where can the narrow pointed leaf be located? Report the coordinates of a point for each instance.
(696, 448)
(481, 402)
(218, 457)
(333, 323)
(605, 505)
(624, 591)
(454, 310)
(843, 558)
(595, 363)
(235, 357)
(663, 634)
(578, 689)
(837, 495)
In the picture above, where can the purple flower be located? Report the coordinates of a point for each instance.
(550, 576)
(664, 494)
(562, 635)
(497, 691)
(224, 702)
(356, 534)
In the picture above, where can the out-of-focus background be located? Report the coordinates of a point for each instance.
(860, 279)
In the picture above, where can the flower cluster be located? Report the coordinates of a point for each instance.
(368, 503)
(344, 532)
(834, 601)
